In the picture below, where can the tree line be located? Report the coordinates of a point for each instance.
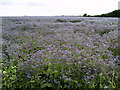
(115, 13)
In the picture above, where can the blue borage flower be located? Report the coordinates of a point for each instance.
(78, 47)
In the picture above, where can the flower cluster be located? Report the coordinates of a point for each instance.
(74, 53)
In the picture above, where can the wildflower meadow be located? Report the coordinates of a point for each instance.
(59, 52)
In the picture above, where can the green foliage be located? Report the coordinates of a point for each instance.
(116, 51)
(85, 15)
(103, 32)
(75, 21)
(61, 20)
(72, 21)
(115, 13)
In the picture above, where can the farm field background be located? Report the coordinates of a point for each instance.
(59, 52)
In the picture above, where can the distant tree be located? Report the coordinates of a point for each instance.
(88, 15)
(85, 15)
(115, 13)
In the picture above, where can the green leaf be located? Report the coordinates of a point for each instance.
(32, 81)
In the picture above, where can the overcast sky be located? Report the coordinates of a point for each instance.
(56, 7)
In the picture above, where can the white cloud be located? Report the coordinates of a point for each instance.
(20, 2)
(6, 2)
(56, 7)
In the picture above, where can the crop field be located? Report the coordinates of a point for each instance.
(59, 52)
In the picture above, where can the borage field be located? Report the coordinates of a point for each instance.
(59, 52)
